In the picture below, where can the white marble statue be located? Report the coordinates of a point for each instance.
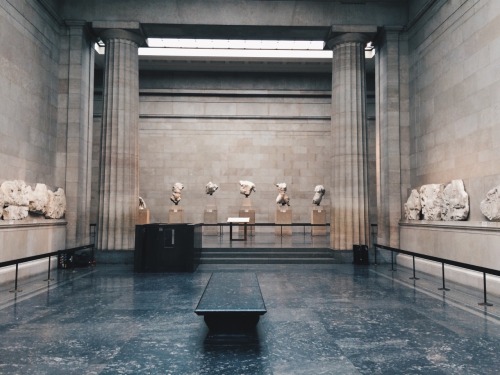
(456, 202)
(413, 207)
(319, 191)
(176, 193)
(282, 198)
(246, 188)
(490, 206)
(210, 188)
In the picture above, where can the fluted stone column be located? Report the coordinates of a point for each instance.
(349, 192)
(119, 175)
(76, 87)
(392, 133)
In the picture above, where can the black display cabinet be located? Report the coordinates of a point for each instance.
(167, 247)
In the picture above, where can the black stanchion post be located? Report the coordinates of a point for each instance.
(485, 302)
(15, 290)
(392, 261)
(414, 277)
(444, 286)
(48, 272)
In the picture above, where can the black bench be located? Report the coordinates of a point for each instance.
(231, 302)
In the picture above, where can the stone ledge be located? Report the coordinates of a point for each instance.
(453, 225)
(11, 224)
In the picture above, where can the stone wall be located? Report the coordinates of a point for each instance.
(455, 127)
(28, 92)
(196, 128)
(29, 58)
(454, 54)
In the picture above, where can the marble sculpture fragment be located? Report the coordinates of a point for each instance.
(210, 188)
(282, 198)
(319, 191)
(456, 202)
(413, 206)
(176, 193)
(246, 188)
(431, 200)
(490, 206)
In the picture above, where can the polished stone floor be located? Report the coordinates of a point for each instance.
(321, 319)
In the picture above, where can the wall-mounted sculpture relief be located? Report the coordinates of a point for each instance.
(456, 202)
(17, 200)
(16, 193)
(282, 198)
(210, 188)
(433, 202)
(490, 206)
(319, 191)
(413, 207)
(56, 205)
(176, 193)
(246, 188)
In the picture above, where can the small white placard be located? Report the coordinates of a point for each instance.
(238, 220)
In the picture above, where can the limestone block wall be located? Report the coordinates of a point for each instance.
(455, 128)
(454, 54)
(28, 91)
(225, 140)
(196, 128)
(29, 59)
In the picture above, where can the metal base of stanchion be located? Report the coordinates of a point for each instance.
(485, 304)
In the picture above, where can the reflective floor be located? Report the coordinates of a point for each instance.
(321, 319)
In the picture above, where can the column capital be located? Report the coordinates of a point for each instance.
(388, 33)
(128, 30)
(349, 34)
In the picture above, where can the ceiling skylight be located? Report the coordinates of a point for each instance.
(232, 48)
(237, 48)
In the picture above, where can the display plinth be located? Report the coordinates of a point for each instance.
(175, 215)
(246, 210)
(318, 216)
(283, 216)
(143, 216)
(210, 217)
